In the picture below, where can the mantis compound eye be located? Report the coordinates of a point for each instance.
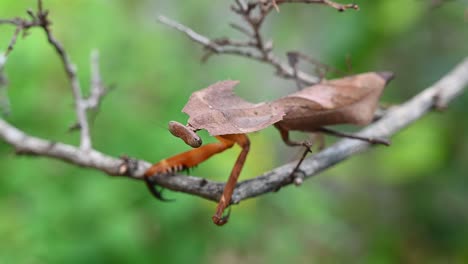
(185, 133)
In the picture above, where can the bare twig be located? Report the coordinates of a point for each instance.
(40, 19)
(13, 40)
(70, 69)
(4, 102)
(335, 5)
(22, 25)
(395, 119)
(256, 47)
(282, 68)
(98, 91)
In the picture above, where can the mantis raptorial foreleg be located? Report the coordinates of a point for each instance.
(184, 161)
(196, 156)
(190, 158)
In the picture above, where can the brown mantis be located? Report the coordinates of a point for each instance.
(349, 100)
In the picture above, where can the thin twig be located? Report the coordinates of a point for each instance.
(337, 6)
(189, 32)
(40, 19)
(22, 25)
(4, 102)
(13, 40)
(70, 69)
(282, 68)
(98, 91)
(256, 47)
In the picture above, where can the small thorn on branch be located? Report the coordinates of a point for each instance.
(128, 165)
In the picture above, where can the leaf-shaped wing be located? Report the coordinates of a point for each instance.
(218, 110)
(349, 100)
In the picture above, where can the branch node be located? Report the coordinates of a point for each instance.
(438, 103)
(298, 177)
(128, 166)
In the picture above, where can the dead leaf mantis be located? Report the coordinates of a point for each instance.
(349, 100)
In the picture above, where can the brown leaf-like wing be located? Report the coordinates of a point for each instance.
(218, 110)
(349, 100)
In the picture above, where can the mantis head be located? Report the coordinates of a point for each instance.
(186, 133)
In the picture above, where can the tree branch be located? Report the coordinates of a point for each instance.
(395, 119)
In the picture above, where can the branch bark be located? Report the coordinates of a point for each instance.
(394, 120)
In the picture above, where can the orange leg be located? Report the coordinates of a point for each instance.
(194, 157)
(189, 158)
(243, 141)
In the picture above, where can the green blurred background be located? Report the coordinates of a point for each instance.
(403, 204)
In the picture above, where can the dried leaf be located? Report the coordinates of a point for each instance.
(218, 110)
(349, 100)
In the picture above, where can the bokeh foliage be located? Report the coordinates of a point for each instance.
(403, 204)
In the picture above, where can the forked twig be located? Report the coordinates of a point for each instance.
(255, 47)
(39, 18)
